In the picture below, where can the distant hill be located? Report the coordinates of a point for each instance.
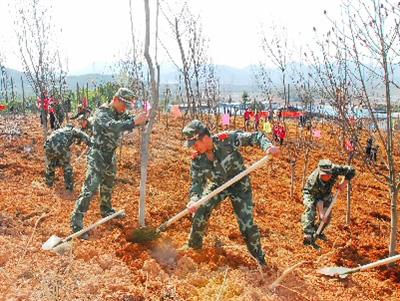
(231, 79)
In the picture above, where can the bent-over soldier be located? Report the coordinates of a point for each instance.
(218, 159)
(58, 153)
(317, 195)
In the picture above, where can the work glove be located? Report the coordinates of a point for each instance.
(273, 150)
(191, 204)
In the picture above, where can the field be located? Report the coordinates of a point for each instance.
(107, 267)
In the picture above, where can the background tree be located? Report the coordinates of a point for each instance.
(274, 43)
(366, 43)
(195, 66)
(38, 49)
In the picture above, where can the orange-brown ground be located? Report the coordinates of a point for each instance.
(107, 267)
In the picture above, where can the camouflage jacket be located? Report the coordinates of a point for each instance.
(64, 137)
(59, 111)
(228, 161)
(107, 126)
(315, 189)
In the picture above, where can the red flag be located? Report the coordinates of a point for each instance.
(84, 101)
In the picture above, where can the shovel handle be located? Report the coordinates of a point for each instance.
(213, 193)
(80, 155)
(84, 230)
(376, 264)
(321, 225)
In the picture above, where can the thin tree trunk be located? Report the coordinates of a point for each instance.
(23, 96)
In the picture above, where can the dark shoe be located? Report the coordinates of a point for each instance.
(309, 241)
(322, 237)
(111, 212)
(84, 236)
(261, 261)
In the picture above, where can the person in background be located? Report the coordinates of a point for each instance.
(82, 111)
(257, 118)
(44, 112)
(275, 132)
(56, 112)
(57, 150)
(281, 134)
(246, 117)
(215, 161)
(109, 121)
(317, 196)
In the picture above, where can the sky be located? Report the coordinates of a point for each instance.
(100, 30)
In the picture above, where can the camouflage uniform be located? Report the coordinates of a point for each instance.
(58, 154)
(82, 111)
(316, 190)
(89, 127)
(102, 167)
(58, 107)
(227, 163)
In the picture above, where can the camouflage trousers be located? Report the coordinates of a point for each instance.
(101, 172)
(61, 159)
(308, 216)
(242, 201)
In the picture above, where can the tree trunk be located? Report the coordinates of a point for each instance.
(393, 222)
(348, 210)
(23, 96)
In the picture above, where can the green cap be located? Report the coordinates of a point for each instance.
(192, 131)
(325, 167)
(126, 96)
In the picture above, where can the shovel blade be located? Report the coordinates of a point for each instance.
(62, 248)
(53, 241)
(335, 271)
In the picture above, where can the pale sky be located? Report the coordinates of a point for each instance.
(99, 30)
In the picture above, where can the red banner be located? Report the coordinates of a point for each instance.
(293, 114)
(2, 107)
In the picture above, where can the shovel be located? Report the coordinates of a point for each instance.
(328, 211)
(149, 233)
(344, 272)
(61, 245)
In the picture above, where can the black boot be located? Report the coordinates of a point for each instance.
(84, 236)
(322, 237)
(309, 241)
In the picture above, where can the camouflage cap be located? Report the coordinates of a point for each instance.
(126, 96)
(192, 131)
(325, 167)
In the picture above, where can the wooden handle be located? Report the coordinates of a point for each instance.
(378, 263)
(214, 192)
(103, 220)
(321, 225)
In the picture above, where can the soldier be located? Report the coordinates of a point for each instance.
(109, 121)
(58, 154)
(82, 111)
(86, 126)
(56, 114)
(317, 195)
(218, 159)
